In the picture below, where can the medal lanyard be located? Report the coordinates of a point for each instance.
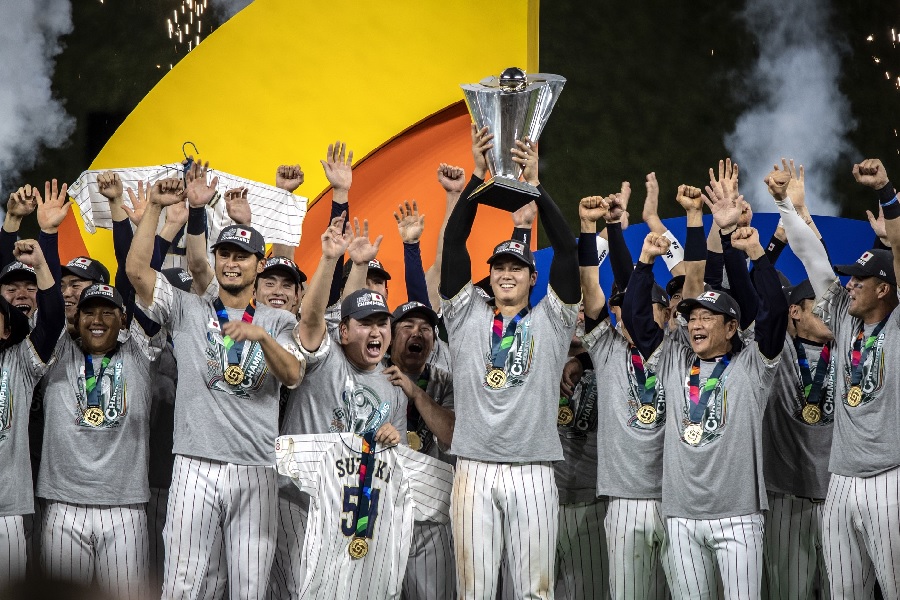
(700, 400)
(500, 341)
(646, 382)
(860, 351)
(235, 349)
(366, 467)
(90, 381)
(812, 388)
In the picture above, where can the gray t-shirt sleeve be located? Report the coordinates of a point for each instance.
(166, 305)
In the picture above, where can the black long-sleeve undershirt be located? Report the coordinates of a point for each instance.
(637, 311)
(564, 277)
(742, 289)
(619, 256)
(456, 264)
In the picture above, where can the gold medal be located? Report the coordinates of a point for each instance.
(646, 414)
(854, 396)
(565, 415)
(693, 433)
(414, 441)
(811, 414)
(234, 375)
(93, 416)
(495, 378)
(359, 547)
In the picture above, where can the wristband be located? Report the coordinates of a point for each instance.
(587, 250)
(675, 254)
(196, 224)
(602, 249)
(727, 236)
(521, 234)
(887, 194)
(695, 244)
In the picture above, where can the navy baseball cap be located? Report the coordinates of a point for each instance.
(516, 249)
(414, 308)
(657, 295)
(286, 266)
(101, 291)
(676, 284)
(364, 303)
(873, 263)
(16, 271)
(84, 267)
(375, 268)
(179, 278)
(800, 292)
(244, 237)
(714, 301)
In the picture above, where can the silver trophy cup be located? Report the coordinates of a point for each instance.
(513, 106)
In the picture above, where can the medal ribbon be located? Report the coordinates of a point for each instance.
(366, 468)
(90, 380)
(646, 380)
(812, 388)
(413, 418)
(235, 349)
(699, 399)
(500, 341)
(860, 351)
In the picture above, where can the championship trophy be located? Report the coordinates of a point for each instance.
(513, 106)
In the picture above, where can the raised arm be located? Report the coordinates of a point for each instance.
(691, 200)
(338, 166)
(361, 250)
(637, 306)
(21, 203)
(199, 194)
(871, 173)
(590, 210)
(140, 272)
(453, 180)
(411, 224)
(564, 277)
(457, 272)
(619, 255)
(675, 256)
(51, 314)
(288, 178)
(311, 328)
(772, 315)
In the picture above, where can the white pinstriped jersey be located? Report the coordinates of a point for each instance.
(277, 214)
(407, 486)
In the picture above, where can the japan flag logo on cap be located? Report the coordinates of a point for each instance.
(866, 257)
(711, 296)
(105, 290)
(517, 247)
(377, 298)
(243, 233)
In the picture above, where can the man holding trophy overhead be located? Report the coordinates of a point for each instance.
(507, 354)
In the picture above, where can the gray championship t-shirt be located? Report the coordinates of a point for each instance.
(630, 465)
(576, 474)
(215, 420)
(20, 370)
(440, 389)
(866, 438)
(92, 459)
(336, 397)
(795, 453)
(723, 475)
(517, 421)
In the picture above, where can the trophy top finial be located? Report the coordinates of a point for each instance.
(513, 79)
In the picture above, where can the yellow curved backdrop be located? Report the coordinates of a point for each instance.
(282, 79)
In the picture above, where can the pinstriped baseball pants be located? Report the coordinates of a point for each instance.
(12, 549)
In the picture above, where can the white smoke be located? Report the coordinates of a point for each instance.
(30, 117)
(799, 110)
(225, 9)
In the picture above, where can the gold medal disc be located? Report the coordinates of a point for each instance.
(565, 415)
(93, 416)
(811, 414)
(234, 375)
(854, 396)
(693, 433)
(359, 547)
(414, 441)
(646, 414)
(495, 378)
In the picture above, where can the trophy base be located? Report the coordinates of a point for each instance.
(504, 193)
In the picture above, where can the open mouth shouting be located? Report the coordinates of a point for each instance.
(373, 349)
(23, 307)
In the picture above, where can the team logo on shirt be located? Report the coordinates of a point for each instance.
(872, 372)
(253, 363)
(361, 410)
(715, 415)
(518, 361)
(113, 405)
(6, 406)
